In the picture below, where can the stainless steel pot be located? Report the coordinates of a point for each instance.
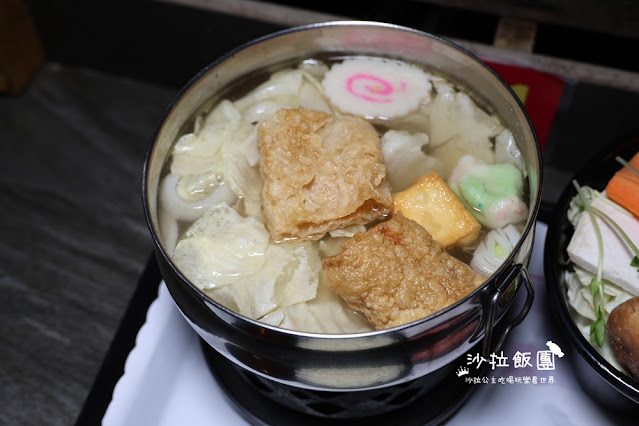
(354, 361)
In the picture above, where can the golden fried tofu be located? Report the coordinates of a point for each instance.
(431, 203)
(395, 273)
(320, 173)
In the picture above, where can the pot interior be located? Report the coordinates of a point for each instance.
(337, 40)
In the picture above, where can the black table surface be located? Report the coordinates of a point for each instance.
(74, 240)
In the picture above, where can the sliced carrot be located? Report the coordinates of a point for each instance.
(623, 187)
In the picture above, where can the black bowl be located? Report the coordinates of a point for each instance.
(599, 380)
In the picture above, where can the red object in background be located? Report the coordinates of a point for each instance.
(540, 93)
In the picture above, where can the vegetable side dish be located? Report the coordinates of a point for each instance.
(342, 195)
(603, 285)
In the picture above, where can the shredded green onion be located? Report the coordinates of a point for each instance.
(598, 327)
(627, 164)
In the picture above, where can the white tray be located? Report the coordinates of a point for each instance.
(167, 381)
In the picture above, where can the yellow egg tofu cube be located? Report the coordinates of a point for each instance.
(431, 203)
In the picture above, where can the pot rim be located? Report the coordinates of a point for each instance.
(491, 281)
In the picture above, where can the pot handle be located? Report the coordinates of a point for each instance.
(487, 348)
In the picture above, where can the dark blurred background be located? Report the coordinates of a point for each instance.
(167, 41)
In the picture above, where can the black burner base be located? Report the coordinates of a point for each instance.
(265, 402)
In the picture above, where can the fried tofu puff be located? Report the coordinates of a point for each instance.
(395, 273)
(320, 173)
(432, 204)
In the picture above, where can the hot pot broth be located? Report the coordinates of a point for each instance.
(211, 207)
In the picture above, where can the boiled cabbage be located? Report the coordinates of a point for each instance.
(405, 158)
